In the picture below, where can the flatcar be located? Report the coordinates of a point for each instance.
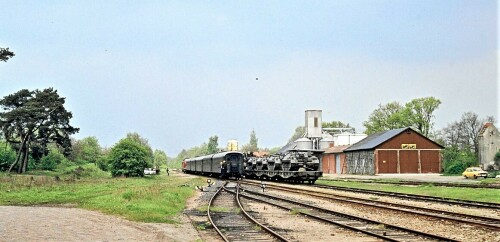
(295, 166)
(224, 165)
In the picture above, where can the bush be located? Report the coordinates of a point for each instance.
(128, 158)
(53, 160)
(7, 156)
(456, 160)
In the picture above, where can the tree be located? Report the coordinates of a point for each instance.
(299, 132)
(212, 145)
(464, 133)
(335, 124)
(159, 158)
(35, 119)
(86, 150)
(252, 144)
(5, 54)
(385, 117)
(420, 113)
(144, 143)
(128, 158)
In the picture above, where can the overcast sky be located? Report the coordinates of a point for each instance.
(178, 72)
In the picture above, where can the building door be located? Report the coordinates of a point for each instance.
(387, 161)
(337, 164)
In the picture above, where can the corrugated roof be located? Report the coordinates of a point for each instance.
(374, 140)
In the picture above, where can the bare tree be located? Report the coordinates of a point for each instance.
(464, 134)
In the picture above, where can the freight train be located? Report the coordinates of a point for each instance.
(295, 166)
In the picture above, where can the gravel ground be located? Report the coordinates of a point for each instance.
(444, 228)
(428, 177)
(73, 224)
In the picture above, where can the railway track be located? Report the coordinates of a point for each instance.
(369, 227)
(491, 223)
(464, 203)
(232, 222)
(419, 183)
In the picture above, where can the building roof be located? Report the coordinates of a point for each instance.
(485, 127)
(336, 149)
(374, 140)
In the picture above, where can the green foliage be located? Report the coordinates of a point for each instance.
(5, 54)
(35, 119)
(189, 153)
(128, 158)
(145, 144)
(160, 158)
(86, 150)
(455, 161)
(385, 117)
(52, 161)
(418, 114)
(497, 158)
(213, 144)
(252, 144)
(7, 155)
(335, 124)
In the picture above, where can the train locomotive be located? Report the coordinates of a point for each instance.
(295, 166)
(224, 165)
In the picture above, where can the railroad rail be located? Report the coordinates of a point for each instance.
(417, 183)
(465, 203)
(369, 227)
(232, 225)
(482, 221)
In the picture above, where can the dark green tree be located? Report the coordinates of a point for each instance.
(5, 54)
(35, 119)
(128, 158)
(213, 144)
(144, 143)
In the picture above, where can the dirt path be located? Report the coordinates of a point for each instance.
(74, 224)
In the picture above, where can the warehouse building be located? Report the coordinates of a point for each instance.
(333, 160)
(394, 151)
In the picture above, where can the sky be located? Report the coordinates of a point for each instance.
(178, 72)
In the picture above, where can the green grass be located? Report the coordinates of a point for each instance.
(473, 194)
(149, 199)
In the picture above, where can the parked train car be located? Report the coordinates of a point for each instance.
(224, 164)
(295, 166)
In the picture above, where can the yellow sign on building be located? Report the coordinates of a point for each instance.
(408, 146)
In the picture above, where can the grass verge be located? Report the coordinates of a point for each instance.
(472, 194)
(150, 199)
